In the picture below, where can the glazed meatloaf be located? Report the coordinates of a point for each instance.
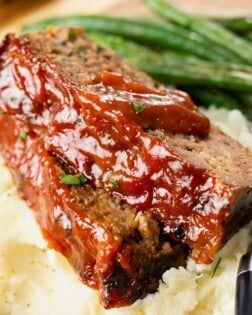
(126, 178)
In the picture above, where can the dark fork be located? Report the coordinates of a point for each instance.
(243, 299)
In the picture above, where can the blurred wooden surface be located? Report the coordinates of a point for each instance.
(14, 13)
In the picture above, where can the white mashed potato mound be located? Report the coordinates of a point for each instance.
(35, 280)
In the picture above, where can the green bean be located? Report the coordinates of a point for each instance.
(214, 32)
(191, 75)
(238, 24)
(125, 48)
(150, 33)
(170, 68)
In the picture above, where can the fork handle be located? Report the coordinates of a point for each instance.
(243, 304)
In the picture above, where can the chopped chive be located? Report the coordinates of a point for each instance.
(70, 180)
(13, 98)
(72, 35)
(216, 266)
(22, 135)
(78, 120)
(156, 97)
(3, 113)
(138, 107)
(73, 179)
(120, 94)
(83, 179)
(114, 182)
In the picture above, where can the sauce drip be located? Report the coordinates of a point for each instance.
(170, 110)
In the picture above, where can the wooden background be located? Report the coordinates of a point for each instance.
(14, 13)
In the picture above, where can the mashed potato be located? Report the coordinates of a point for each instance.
(35, 280)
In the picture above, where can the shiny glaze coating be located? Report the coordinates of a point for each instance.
(96, 132)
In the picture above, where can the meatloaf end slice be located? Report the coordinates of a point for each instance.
(231, 163)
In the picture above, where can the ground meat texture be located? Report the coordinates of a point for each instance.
(201, 195)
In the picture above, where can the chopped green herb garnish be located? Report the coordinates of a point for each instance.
(75, 180)
(22, 135)
(120, 94)
(78, 120)
(114, 182)
(72, 35)
(216, 266)
(3, 113)
(13, 98)
(138, 107)
(156, 97)
(83, 179)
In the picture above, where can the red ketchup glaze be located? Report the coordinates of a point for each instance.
(90, 247)
(98, 131)
(171, 110)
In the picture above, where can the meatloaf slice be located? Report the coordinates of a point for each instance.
(117, 242)
(232, 164)
(114, 248)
